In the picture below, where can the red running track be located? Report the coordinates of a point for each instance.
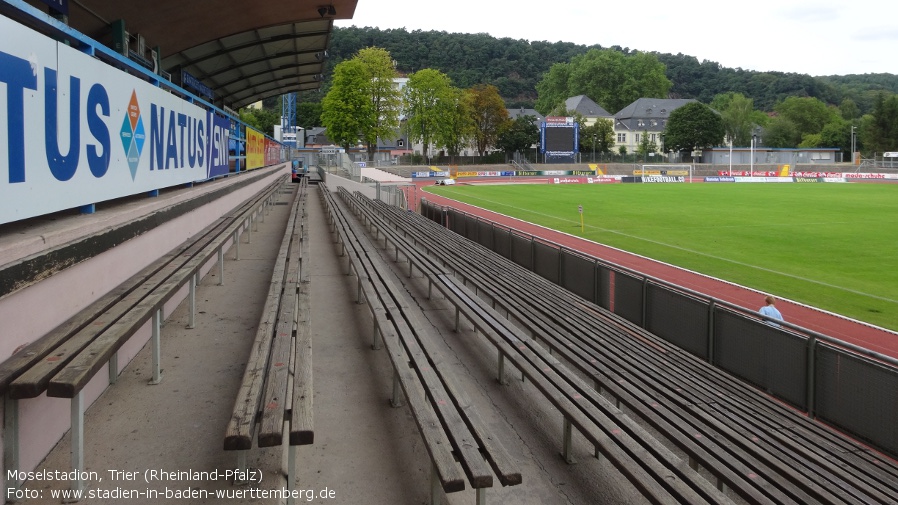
(852, 331)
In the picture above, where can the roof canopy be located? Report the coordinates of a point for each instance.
(244, 51)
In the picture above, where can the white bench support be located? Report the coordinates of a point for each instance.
(10, 445)
(436, 490)
(501, 373)
(221, 266)
(291, 472)
(376, 345)
(113, 368)
(194, 280)
(77, 442)
(396, 401)
(566, 444)
(157, 347)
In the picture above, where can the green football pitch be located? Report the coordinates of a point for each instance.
(832, 246)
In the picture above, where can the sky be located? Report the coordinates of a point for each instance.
(808, 37)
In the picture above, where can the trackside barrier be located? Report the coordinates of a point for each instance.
(818, 374)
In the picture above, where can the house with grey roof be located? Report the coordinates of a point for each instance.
(516, 113)
(586, 107)
(645, 116)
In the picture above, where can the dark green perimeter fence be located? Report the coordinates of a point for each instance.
(836, 382)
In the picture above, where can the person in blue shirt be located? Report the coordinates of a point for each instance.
(770, 311)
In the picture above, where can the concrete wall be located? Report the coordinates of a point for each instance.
(33, 310)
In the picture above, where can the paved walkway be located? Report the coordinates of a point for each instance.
(365, 452)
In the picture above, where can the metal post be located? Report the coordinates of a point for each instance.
(241, 463)
(396, 401)
(645, 287)
(809, 400)
(249, 230)
(711, 307)
(113, 368)
(191, 322)
(501, 375)
(10, 442)
(481, 496)
(456, 318)
(237, 244)
(78, 440)
(291, 472)
(221, 266)
(157, 347)
(435, 487)
(566, 449)
(376, 344)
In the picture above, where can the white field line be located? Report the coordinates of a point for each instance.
(699, 253)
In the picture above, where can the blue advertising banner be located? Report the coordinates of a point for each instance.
(218, 145)
(189, 81)
(76, 131)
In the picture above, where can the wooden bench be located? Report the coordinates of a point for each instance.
(64, 360)
(651, 468)
(449, 425)
(734, 431)
(277, 382)
(762, 450)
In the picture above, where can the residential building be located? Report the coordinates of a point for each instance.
(645, 116)
(586, 107)
(516, 113)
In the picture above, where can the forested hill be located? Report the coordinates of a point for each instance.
(514, 66)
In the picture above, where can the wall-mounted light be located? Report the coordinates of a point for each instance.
(327, 10)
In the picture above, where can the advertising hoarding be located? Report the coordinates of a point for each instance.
(76, 131)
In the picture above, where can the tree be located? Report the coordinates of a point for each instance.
(384, 96)
(427, 101)
(518, 135)
(809, 115)
(260, 119)
(781, 132)
(345, 107)
(739, 116)
(363, 103)
(488, 115)
(881, 132)
(598, 137)
(646, 145)
(308, 114)
(849, 110)
(693, 125)
(611, 78)
(458, 123)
